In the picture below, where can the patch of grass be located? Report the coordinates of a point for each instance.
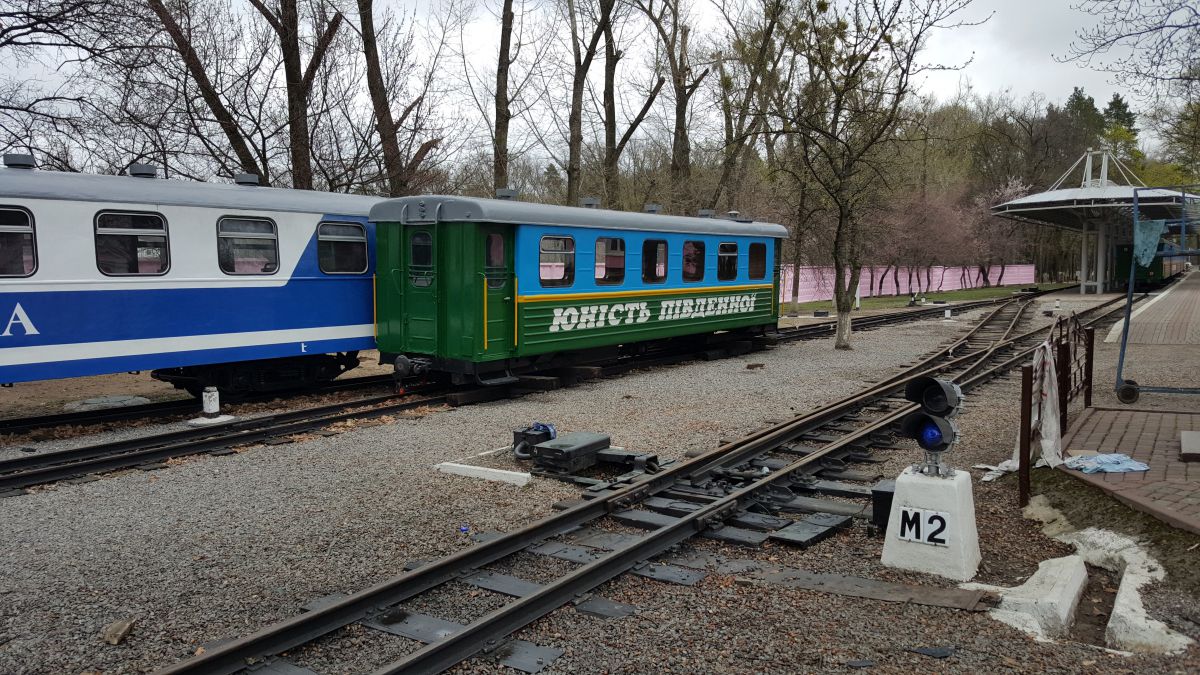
(1086, 506)
(894, 302)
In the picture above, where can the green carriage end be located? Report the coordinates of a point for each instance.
(449, 296)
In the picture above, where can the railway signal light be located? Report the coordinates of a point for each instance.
(932, 426)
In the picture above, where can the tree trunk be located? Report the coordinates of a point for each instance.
(681, 151)
(393, 162)
(796, 252)
(299, 80)
(612, 178)
(844, 266)
(297, 97)
(503, 113)
(583, 63)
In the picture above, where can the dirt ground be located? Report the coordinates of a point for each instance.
(26, 399)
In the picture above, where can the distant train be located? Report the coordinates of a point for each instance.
(250, 288)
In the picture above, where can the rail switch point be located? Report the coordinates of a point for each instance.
(931, 527)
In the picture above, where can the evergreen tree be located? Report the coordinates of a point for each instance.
(1082, 111)
(1118, 114)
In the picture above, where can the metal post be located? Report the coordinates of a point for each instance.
(1083, 259)
(1087, 367)
(1128, 295)
(1063, 367)
(1025, 435)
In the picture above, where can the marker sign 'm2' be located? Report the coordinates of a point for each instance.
(923, 526)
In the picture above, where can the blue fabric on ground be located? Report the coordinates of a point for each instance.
(1111, 463)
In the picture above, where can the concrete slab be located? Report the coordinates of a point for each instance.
(105, 402)
(471, 471)
(1044, 605)
(1129, 627)
(1189, 446)
(210, 421)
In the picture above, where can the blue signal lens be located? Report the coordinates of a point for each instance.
(931, 436)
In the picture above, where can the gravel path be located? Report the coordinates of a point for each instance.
(217, 547)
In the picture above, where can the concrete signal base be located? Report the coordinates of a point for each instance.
(932, 528)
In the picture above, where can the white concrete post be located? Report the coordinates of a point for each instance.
(212, 402)
(211, 410)
(1083, 260)
(931, 527)
(1102, 258)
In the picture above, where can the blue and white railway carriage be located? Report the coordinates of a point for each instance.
(238, 286)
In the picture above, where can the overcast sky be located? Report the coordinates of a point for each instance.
(1015, 51)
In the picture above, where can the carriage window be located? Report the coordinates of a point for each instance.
(420, 259)
(727, 262)
(610, 261)
(493, 260)
(18, 255)
(247, 246)
(556, 266)
(758, 261)
(132, 244)
(693, 261)
(422, 250)
(494, 250)
(342, 248)
(654, 261)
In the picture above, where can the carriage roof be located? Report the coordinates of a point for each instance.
(437, 208)
(38, 184)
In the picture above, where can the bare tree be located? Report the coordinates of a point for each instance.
(614, 148)
(400, 171)
(861, 58)
(583, 52)
(1160, 40)
(182, 40)
(753, 53)
(285, 21)
(674, 35)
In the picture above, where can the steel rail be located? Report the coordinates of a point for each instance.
(23, 472)
(490, 629)
(234, 655)
(438, 656)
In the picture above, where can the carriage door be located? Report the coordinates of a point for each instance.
(421, 289)
(496, 285)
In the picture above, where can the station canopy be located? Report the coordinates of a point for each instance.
(1098, 201)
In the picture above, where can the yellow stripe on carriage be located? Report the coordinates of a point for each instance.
(565, 297)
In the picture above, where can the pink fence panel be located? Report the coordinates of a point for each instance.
(816, 283)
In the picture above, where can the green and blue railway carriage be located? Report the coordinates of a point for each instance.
(483, 288)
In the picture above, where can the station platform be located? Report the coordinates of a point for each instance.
(1170, 490)
(1172, 318)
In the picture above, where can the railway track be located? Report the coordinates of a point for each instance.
(20, 473)
(160, 409)
(187, 406)
(746, 492)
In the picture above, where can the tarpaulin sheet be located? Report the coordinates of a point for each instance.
(1145, 240)
(1106, 463)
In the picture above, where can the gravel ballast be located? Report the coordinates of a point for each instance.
(217, 547)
